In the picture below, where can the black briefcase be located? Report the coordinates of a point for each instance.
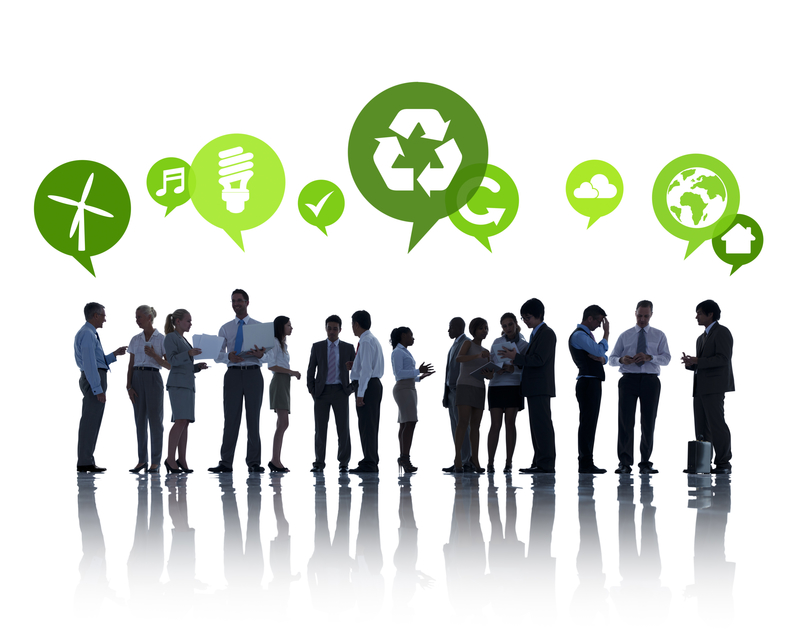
(699, 457)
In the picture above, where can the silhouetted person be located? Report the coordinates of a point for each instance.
(456, 332)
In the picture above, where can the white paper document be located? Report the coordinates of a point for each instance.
(209, 344)
(261, 335)
(490, 366)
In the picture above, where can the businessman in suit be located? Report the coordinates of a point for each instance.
(453, 368)
(328, 381)
(538, 384)
(713, 377)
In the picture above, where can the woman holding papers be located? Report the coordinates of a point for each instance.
(505, 392)
(471, 391)
(180, 385)
(405, 394)
(278, 363)
(146, 388)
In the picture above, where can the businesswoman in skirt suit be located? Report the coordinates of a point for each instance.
(278, 363)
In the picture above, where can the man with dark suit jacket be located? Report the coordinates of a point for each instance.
(328, 381)
(713, 377)
(456, 332)
(538, 384)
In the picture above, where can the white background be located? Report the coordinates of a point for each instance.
(555, 84)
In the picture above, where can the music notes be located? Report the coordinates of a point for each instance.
(173, 174)
(170, 183)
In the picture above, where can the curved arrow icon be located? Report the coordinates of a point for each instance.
(493, 214)
(432, 123)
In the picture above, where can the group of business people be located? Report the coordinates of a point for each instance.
(518, 370)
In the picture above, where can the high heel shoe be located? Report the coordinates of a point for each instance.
(183, 466)
(490, 468)
(404, 464)
(170, 469)
(154, 468)
(507, 468)
(138, 467)
(476, 466)
(275, 469)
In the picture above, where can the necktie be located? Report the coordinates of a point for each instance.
(703, 338)
(237, 346)
(332, 363)
(105, 361)
(641, 344)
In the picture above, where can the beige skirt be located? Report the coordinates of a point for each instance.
(474, 396)
(279, 392)
(405, 394)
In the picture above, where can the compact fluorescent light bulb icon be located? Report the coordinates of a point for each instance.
(235, 166)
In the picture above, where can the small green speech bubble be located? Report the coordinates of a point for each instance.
(695, 198)
(492, 202)
(170, 182)
(321, 203)
(82, 209)
(594, 189)
(239, 183)
(740, 243)
(406, 147)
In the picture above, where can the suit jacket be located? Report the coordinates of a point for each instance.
(318, 367)
(453, 368)
(538, 364)
(182, 366)
(713, 372)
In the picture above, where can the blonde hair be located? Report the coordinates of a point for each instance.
(147, 310)
(169, 326)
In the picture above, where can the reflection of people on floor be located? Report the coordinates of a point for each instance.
(465, 553)
(93, 584)
(146, 560)
(243, 561)
(330, 563)
(713, 574)
(368, 582)
(405, 556)
(280, 553)
(589, 600)
(640, 596)
(541, 566)
(181, 562)
(506, 552)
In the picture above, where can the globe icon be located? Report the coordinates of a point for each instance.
(697, 197)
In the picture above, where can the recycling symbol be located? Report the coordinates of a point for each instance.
(401, 179)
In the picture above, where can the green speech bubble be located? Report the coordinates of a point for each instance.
(170, 182)
(321, 203)
(492, 202)
(594, 189)
(695, 198)
(82, 209)
(740, 243)
(239, 183)
(406, 147)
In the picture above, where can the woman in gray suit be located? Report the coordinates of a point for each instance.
(180, 385)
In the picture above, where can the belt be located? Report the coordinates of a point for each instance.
(639, 375)
(145, 368)
(243, 368)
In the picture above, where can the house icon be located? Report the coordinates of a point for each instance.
(738, 239)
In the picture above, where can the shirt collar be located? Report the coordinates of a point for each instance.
(336, 343)
(710, 326)
(458, 339)
(246, 320)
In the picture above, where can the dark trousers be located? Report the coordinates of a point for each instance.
(709, 422)
(543, 435)
(91, 417)
(242, 386)
(369, 417)
(466, 447)
(148, 406)
(589, 391)
(646, 388)
(333, 396)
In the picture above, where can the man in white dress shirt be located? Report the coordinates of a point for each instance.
(640, 352)
(243, 385)
(365, 373)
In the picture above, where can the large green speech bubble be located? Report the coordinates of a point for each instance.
(594, 189)
(492, 202)
(82, 209)
(741, 243)
(406, 147)
(321, 203)
(170, 182)
(239, 183)
(695, 198)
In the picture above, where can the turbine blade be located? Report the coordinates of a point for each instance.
(77, 220)
(62, 199)
(102, 213)
(87, 188)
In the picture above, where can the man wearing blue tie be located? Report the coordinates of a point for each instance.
(94, 369)
(243, 386)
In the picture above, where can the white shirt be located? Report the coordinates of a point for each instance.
(368, 362)
(228, 333)
(276, 356)
(503, 378)
(657, 347)
(136, 348)
(403, 364)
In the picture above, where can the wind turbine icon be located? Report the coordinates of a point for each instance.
(78, 221)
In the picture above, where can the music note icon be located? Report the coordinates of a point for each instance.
(175, 174)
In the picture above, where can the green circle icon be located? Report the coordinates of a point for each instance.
(594, 189)
(321, 203)
(406, 147)
(492, 202)
(239, 183)
(82, 209)
(170, 182)
(741, 243)
(695, 198)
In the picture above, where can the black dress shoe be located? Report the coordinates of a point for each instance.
(344, 467)
(534, 470)
(315, 468)
(489, 468)
(449, 469)
(90, 468)
(647, 470)
(591, 469)
(255, 468)
(530, 469)
(722, 470)
(220, 468)
(624, 468)
(360, 469)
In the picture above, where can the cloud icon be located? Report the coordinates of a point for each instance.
(604, 189)
(586, 191)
